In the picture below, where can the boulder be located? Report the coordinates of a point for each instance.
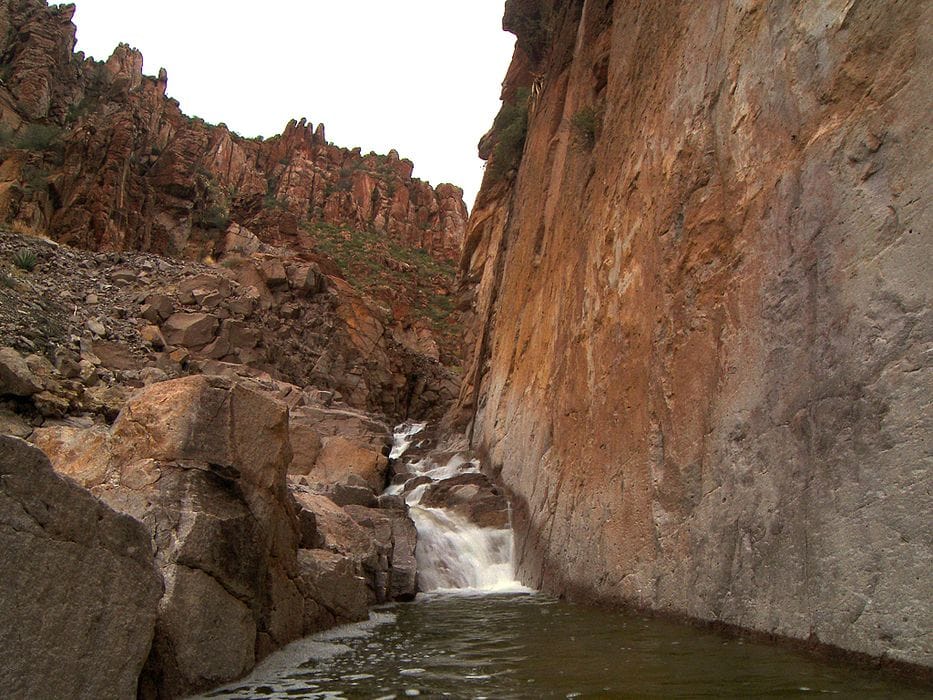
(13, 424)
(79, 590)
(361, 428)
(306, 280)
(153, 336)
(201, 461)
(239, 239)
(471, 495)
(396, 537)
(306, 444)
(190, 329)
(16, 379)
(333, 590)
(340, 458)
(273, 273)
(347, 494)
(114, 355)
(157, 308)
(336, 530)
(197, 288)
(79, 453)
(381, 544)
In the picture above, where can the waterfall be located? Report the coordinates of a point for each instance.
(453, 552)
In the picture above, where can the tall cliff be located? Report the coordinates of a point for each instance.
(102, 158)
(699, 277)
(96, 155)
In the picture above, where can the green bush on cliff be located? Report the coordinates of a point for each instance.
(37, 137)
(584, 124)
(511, 128)
(215, 216)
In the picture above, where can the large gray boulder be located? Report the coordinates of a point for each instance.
(201, 462)
(79, 588)
(16, 379)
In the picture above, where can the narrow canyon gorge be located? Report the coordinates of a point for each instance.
(674, 362)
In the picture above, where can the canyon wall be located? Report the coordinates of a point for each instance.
(699, 291)
(107, 161)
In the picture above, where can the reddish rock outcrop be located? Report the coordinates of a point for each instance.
(701, 302)
(111, 163)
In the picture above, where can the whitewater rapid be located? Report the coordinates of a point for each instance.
(453, 553)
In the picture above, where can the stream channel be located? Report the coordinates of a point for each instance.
(475, 632)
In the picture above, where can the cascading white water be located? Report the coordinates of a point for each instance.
(453, 553)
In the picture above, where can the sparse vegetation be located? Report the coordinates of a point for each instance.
(511, 127)
(232, 261)
(378, 266)
(24, 229)
(37, 137)
(25, 259)
(35, 179)
(214, 209)
(215, 216)
(584, 124)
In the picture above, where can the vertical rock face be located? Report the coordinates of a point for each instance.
(79, 590)
(113, 164)
(701, 314)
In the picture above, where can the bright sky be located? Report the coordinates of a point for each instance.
(420, 76)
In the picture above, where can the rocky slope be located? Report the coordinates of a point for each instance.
(101, 324)
(699, 270)
(250, 517)
(231, 418)
(94, 154)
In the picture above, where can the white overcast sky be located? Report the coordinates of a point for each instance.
(420, 76)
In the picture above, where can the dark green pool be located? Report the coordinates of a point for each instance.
(531, 646)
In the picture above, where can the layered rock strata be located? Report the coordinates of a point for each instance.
(699, 285)
(102, 158)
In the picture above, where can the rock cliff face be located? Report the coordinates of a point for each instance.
(701, 314)
(69, 563)
(108, 162)
(246, 535)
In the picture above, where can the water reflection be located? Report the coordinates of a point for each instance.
(524, 646)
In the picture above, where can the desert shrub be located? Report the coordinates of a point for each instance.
(37, 137)
(25, 259)
(24, 229)
(215, 216)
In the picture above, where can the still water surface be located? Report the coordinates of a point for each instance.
(531, 646)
